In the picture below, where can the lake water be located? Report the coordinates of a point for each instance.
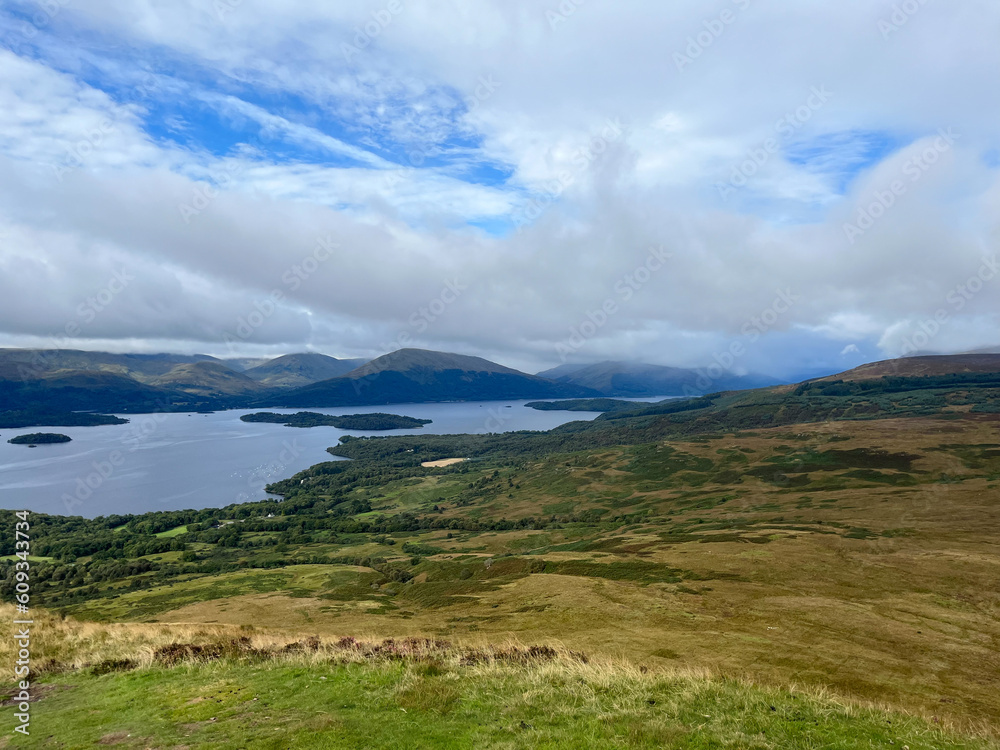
(178, 461)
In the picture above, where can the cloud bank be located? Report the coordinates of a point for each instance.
(533, 183)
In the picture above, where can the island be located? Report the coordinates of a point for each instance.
(40, 438)
(14, 419)
(377, 421)
(584, 404)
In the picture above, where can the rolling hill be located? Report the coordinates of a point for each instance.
(208, 379)
(70, 380)
(242, 364)
(638, 379)
(145, 368)
(296, 370)
(82, 390)
(922, 366)
(417, 375)
(834, 536)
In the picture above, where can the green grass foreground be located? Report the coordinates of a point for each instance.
(425, 695)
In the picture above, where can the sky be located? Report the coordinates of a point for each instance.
(788, 188)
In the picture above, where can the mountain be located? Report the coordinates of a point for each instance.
(71, 380)
(418, 375)
(145, 368)
(79, 390)
(295, 370)
(417, 361)
(562, 371)
(208, 379)
(927, 353)
(922, 366)
(638, 379)
(242, 364)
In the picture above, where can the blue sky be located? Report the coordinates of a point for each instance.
(535, 163)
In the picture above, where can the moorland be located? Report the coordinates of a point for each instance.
(798, 566)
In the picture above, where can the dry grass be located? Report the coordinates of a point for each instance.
(443, 462)
(555, 689)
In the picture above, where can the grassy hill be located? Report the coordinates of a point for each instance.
(211, 379)
(923, 366)
(26, 363)
(854, 556)
(224, 687)
(67, 380)
(295, 370)
(838, 536)
(72, 390)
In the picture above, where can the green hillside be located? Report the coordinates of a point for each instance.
(837, 536)
(178, 687)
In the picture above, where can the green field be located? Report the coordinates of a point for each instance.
(183, 687)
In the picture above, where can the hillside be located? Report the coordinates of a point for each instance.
(922, 366)
(636, 379)
(208, 379)
(82, 390)
(416, 375)
(142, 367)
(242, 364)
(425, 361)
(836, 536)
(295, 370)
(226, 687)
(68, 380)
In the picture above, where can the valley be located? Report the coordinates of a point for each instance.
(837, 536)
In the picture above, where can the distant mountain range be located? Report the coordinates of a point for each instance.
(637, 379)
(73, 380)
(296, 370)
(210, 379)
(412, 375)
(77, 381)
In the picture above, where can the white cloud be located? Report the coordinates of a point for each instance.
(403, 231)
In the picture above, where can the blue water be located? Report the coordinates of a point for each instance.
(177, 461)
